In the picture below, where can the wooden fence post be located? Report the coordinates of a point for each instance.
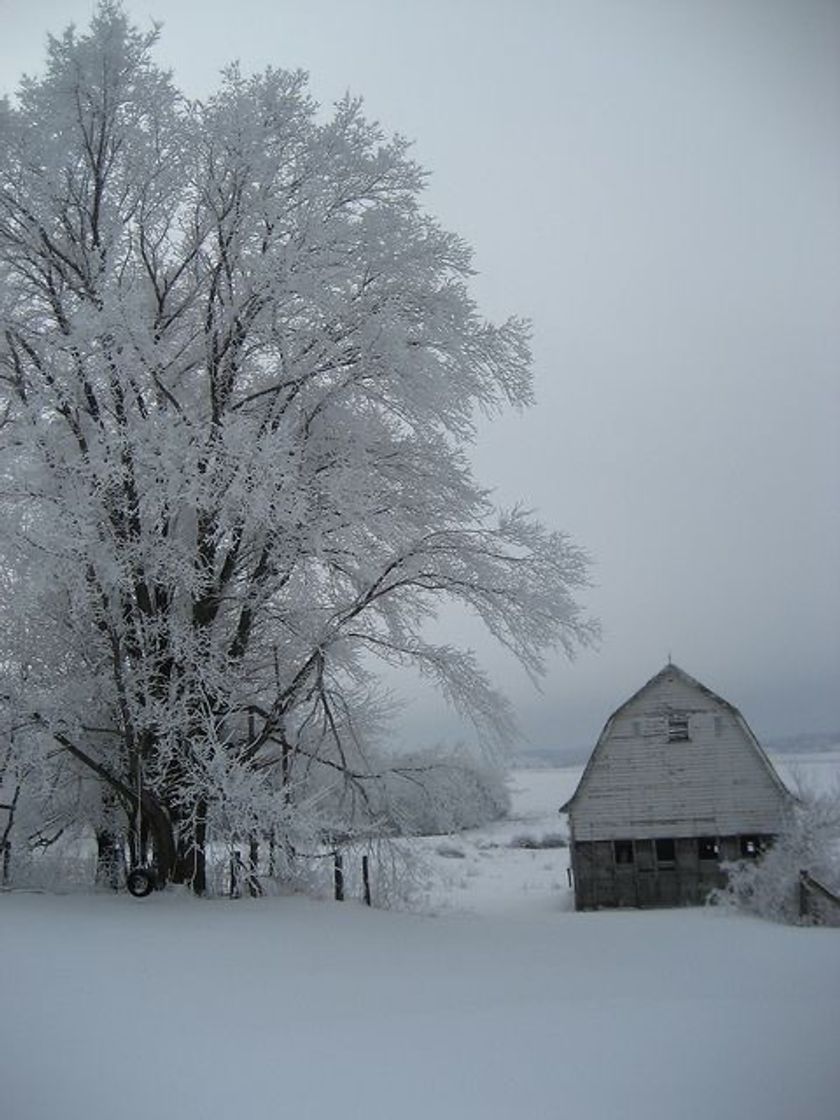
(803, 894)
(233, 891)
(366, 879)
(254, 866)
(338, 876)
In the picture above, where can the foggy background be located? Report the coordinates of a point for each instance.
(656, 185)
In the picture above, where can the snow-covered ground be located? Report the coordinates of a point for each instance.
(491, 870)
(498, 1003)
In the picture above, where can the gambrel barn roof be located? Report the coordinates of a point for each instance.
(642, 781)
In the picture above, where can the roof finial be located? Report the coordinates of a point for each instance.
(670, 662)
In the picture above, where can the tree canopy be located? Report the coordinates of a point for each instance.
(240, 370)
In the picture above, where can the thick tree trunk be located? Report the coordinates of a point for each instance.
(6, 837)
(110, 859)
(157, 827)
(110, 841)
(190, 865)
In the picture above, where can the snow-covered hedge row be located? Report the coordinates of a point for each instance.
(440, 790)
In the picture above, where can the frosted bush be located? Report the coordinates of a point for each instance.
(770, 886)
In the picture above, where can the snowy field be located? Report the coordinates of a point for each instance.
(498, 1002)
(487, 871)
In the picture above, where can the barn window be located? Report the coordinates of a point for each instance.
(678, 727)
(623, 851)
(718, 726)
(752, 846)
(708, 848)
(666, 850)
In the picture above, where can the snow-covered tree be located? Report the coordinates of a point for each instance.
(240, 369)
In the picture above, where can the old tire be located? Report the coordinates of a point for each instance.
(140, 882)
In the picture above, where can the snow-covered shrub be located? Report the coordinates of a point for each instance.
(547, 840)
(449, 851)
(810, 841)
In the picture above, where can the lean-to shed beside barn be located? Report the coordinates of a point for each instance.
(676, 785)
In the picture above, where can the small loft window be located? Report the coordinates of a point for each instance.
(623, 851)
(666, 850)
(718, 726)
(678, 727)
(708, 848)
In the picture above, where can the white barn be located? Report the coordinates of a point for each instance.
(676, 784)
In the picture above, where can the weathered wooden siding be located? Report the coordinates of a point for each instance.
(640, 785)
(687, 881)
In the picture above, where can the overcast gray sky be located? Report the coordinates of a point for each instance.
(656, 184)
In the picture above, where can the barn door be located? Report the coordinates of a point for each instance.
(645, 874)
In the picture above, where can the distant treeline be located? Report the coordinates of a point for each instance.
(537, 758)
(803, 743)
